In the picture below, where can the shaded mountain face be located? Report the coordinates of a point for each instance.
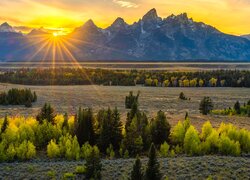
(246, 36)
(152, 38)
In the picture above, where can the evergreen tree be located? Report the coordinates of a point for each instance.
(84, 128)
(153, 167)
(110, 130)
(47, 112)
(186, 115)
(5, 124)
(93, 165)
(137, 173)
(206, 105)
(182, 96)
(160, 129)
(131, 99)
(133, 112)
(237, 107)
(65, 125)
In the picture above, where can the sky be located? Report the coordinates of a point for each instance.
(229, 16)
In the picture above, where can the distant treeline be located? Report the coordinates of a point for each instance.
(70, 76)
(18, 97)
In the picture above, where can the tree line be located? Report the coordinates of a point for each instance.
(16, 96)
(92, 136)
(82, 76)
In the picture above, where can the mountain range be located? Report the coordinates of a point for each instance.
(152, 38)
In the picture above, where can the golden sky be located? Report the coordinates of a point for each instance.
(229, 16)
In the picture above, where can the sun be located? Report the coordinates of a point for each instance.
(55, 34)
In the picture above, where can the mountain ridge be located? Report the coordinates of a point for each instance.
(152, 38)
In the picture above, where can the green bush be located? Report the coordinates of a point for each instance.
(80, 170)
(229, 147)
(192, 141)
(164, 150)
(53, 150)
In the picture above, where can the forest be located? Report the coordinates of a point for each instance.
(16, 96)
(157, 78)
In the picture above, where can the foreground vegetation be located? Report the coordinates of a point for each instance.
(75, 137)
(178, 168)
(70, 76)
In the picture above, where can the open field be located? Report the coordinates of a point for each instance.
(169, 66)
(218, 167)
(69, 98)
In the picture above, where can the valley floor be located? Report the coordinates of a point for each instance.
(70, 98)
(218, 167)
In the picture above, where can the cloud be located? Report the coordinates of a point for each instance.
(126, 4)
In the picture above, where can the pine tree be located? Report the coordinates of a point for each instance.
(110, 130)
(93, 165)
(237, 107)
(65, 125)
(84, 128)
(137, 173)
(5, 124)
(46, 113)
(153, 167)
(160, 129)
(206, 105)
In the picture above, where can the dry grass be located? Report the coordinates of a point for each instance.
(218, 167)
(69, 98)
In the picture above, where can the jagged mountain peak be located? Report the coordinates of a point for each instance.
(151, 15)
(89, 23)
(119, 23)
(5, 27)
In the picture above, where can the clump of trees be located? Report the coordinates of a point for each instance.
(74, 76)
(206, 105)
(16, 96)
(238, 109)
(76, 137)
(152, 170)
(131, 99)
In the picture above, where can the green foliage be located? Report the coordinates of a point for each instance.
(68, 176)
(26, 150)
(53, 150)
(18, 97)
(51, 174)
(153, 167)
(110, 152)
(191, 141)
(84, 126)
(206, 130)
(46, 113)
(237, 107)
(131, 99)
(137, 173)
(160, 129)
(229, 147)
(179, 131)
(69, 147)
(206, 105)
(80, 170)
(164, 149)
(44, 133)
(93, 165)
(110, 129)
